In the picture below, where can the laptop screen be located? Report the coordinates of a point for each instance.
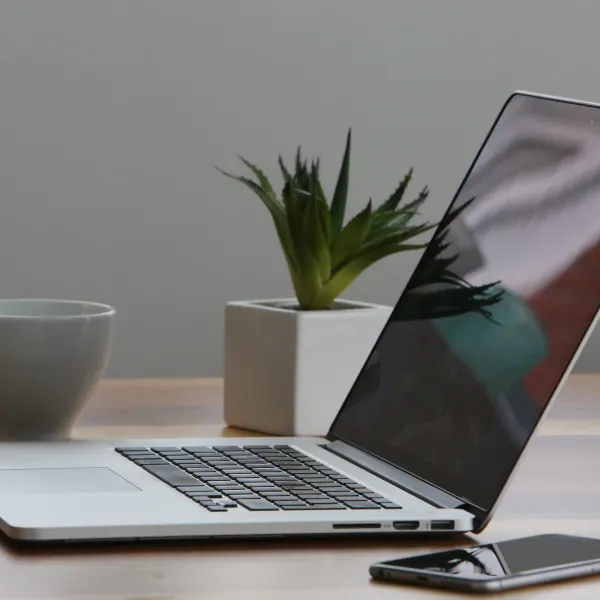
(495, 310)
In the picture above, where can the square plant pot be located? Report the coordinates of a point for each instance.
(287, 372)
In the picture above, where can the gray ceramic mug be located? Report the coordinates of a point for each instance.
(52, 354)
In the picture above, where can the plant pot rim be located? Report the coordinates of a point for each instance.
(278, 305)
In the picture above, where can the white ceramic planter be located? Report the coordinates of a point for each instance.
(286, 371)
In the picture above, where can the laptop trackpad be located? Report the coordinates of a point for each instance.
(78, 480)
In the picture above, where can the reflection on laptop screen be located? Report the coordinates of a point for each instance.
(495, 311)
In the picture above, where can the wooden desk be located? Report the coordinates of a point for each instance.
(557, 490)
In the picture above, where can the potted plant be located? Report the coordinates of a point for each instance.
(289, 363)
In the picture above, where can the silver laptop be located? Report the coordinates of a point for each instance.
(477, 346)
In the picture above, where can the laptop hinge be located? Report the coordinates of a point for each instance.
(409, 483)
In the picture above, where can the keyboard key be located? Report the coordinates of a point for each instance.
(390, 505)
(228, 504)
(165, 449)
(283, 447)
(171, 475)
(269, 455)
(330, 488)
(256, 447)
(200, 498)
(257, 504)
(216, 508)
(328, 472)
(226, 448)
(268, 471)
(288, 504)
(319, 501)
(150, 461)
(236, 470)
(279, 496)
(245, 496)
(335, 506)
(192, 488)
(208, 494)
(361, 489)
(348, 497)
(375, 497)
(360, 505)
(324, 498)
(133, 455)
(198, 449)
(133, 449)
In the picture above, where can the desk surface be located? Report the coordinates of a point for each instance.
(557, 489)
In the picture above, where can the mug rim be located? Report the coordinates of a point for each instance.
(100, 309)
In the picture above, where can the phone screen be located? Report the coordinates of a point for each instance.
(506, 558)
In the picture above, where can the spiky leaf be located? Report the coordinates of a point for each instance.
(346, 275)
(392, 202)
(277, 212)
(287, 176)
(352, 236)
(338, 202)
(314, 238)
(394, 236)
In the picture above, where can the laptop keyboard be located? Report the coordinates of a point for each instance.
(257, 478)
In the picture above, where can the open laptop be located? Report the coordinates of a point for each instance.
(427, 439)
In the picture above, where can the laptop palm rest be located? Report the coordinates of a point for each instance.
(62, 481)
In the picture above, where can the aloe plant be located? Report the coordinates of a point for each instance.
(324, 255)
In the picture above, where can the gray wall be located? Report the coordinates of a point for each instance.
(113, 115)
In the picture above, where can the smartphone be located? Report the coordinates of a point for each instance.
(499, 566)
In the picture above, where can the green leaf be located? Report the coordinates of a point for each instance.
(262, 178)
(385, 221)
(301, 174)
(325, 220)
(314, 238)
(347, 274)
(293, 212)
(278, 215)
(395, 236)
(392, 202)
(338, 202)
(287, 176)
(322, 209)
(412, 208)
(308, 279)
(352, 236)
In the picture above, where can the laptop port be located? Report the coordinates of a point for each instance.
(442, 525)
(406, 525)
(357, 525)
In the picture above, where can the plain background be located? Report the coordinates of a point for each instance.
(114, 113)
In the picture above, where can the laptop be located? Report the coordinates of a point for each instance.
(475, 350)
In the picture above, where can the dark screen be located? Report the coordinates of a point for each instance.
(495, 310)
(507, 558)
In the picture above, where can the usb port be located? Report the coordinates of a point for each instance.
(406, 525)
(442, 525)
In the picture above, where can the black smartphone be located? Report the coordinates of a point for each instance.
(499, 566)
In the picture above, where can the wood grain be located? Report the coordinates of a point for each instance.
(557, 489)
